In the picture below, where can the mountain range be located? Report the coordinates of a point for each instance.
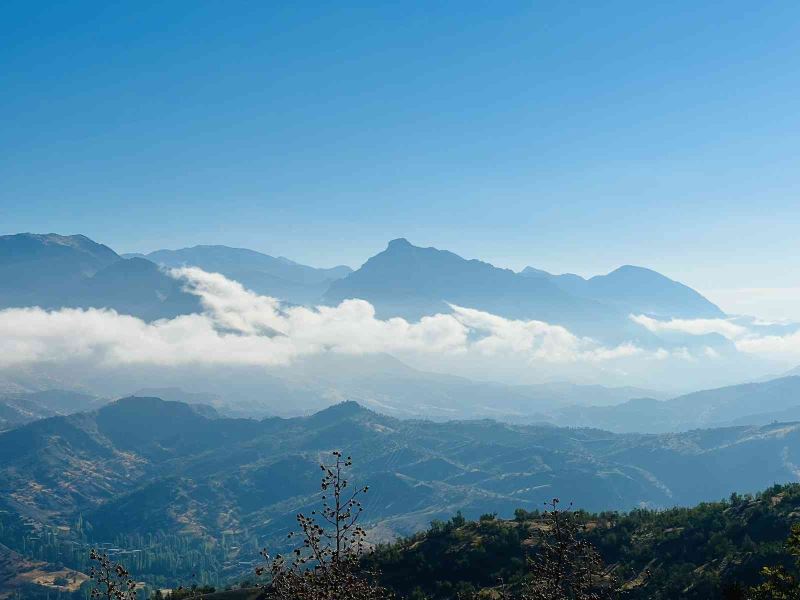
(388, 386)
(143, 465)
(52, 271)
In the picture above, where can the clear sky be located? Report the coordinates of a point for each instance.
(569, 136)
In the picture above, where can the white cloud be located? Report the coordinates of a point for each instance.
(535, 339)
(779, 347)
(750, 340)
(723, 327)
(238, 327)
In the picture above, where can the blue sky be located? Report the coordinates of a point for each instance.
(570, 136)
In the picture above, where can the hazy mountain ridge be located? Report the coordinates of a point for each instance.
(636, 290)
(377, 381)
(389, 386)
(21, 408)
(34, 268)
(272, 276)
(53, 271)
(757, 403)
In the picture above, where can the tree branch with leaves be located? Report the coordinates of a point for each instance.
(327, 565)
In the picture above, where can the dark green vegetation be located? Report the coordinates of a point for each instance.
(705, 552)
(732, 549)
(177, 493)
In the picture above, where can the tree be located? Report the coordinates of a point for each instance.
(327, 566)
(565, 566)
(111, 580)
(193, 592)
(779, 582)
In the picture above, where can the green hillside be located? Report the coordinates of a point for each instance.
(698, 553)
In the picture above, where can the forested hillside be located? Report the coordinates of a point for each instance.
(743, 547)
(706, 551)
(715, 550)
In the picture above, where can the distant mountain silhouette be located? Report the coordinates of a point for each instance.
(756, 403)
(37, 269)
(409, 281)
(393, 388)
(278, 277)
(635, 290)
(54, 271)
(25, 407)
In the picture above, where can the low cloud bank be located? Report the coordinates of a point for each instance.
(239, 327)
(723, 327)
(747, 339)
(779, 347)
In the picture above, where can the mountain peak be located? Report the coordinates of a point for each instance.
(639, 289)
(25, 244)
(633, 270)
(399, 243)
(348, 408)
(534, 272)
(343, 411)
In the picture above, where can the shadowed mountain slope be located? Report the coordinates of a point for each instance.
(54, 271)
